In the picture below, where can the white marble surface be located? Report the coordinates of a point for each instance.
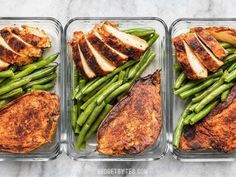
(168, 10)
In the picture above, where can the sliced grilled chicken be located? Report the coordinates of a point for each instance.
(96, 62)
(8, 55)
(116, 57)
(223, 34)
(210, 42)
(78, 57)
(189, 62)
(18, 45)
(33, 36)
(3, 65)
(130, 45)
(205, 56)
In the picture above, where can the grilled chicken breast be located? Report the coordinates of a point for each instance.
(33, 36)
(114, 56)
(127, 44)
(96, 62)
(205, 56)
(3, 65)
(8, 55)
(210, 42)
(135, 122)
(18, 45)
(223, 34)
(29, 122)
(189, 62)
(216, 131)
(78, 57)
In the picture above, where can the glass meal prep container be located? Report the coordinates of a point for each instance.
(54, 29)
(159, 149)
(177, 105)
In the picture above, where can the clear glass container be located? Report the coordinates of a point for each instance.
(54, 29)
(160, 148)
(177, 105)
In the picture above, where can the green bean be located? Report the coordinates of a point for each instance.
(203, 113)
(41, 63)
(197, 89)
(224, 95)
(25, 72)
(108, 91)
(211, 96)
(12, 93)
(76, 77)
(231, 50)
(192, 107)
(108, 76)
(77, 94)
(180, 125)
(126, 75)
(6, 74)
(94, 98)
(73, 116)
(140, 32)
(210, 89)
(7, 88)
(41, 73)
(118, 91)
(231, 76)
(188, 118)
(232, 67)
(77, 129)
(180, 80)
(3, 103)
(226, 45)
(229, 58)
(121, 75)
(136, 67)
(153, 39)
(88, 124)
(47, 86)
(98, 121)
(177, 67)
(44, 80)
(84, 115)
(192, 84)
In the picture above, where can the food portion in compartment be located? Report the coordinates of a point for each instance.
(28, 117)
(29, 122)
(208, 121)
(135, 121)
(104, 48)
(105, 101)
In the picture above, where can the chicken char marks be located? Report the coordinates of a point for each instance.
(29, 122)
(216, 131)
(135, 122)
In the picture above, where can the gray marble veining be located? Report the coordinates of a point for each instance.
(168, 10)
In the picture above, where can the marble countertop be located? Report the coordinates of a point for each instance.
(168, 10)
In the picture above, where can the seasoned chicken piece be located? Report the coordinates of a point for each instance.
(96, 62)
(33, 36)
(8, 55)
(18, 45)
(135, 122)
(205, 56)
(29, 122)
(127, 44)
(3, 65)
(189, 62)
(116, 57)
(78, 57)
(224, 34)
(216, 131)
(210, 42)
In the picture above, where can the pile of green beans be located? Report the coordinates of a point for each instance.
(92, 100)
(206, 93)
(17, 81)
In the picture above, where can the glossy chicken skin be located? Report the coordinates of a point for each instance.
(216, 131)
(29, 122)
(135, 122)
